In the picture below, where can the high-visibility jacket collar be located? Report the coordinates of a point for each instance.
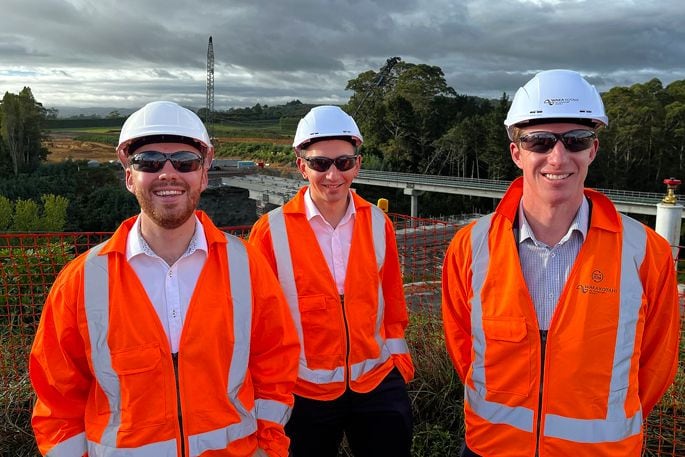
(604, 215)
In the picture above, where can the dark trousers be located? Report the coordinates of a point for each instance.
(466, 452)
(377, 424)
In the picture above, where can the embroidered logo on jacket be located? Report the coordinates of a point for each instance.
(597, 276)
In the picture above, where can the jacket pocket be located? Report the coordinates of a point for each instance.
(142, 388)
(322, 331)
(507, 360)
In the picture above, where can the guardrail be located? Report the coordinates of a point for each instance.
(626, 200)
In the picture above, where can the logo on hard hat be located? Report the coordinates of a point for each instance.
(559, 101)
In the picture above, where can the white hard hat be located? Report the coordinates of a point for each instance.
(556, 94)
(161, 119)
(325, 122)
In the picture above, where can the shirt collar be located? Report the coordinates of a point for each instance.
(136, 244)
(311, 211)
(580, 223)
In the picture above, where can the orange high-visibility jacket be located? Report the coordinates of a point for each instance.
(354, 341)
(108, 385)
(611, 348)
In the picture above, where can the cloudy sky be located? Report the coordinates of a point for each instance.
(124, 53)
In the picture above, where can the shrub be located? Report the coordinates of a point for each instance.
(436, 393)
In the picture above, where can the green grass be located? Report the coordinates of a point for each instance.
(253, 129)
(16, 394)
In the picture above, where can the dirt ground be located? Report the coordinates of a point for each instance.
(66, 148)
(63, 147)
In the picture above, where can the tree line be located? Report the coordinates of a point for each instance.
(415, 122)
(411, 119)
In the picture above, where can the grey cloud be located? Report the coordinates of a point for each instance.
(270, 52)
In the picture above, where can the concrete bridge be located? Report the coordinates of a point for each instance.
(276, 191)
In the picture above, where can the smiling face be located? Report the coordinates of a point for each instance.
(168, 197)
(329, 189)
(557, 177)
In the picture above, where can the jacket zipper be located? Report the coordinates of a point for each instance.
(543, 347)
(174, 357)
(347, 342)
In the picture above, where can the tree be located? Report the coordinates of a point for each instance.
(402, 110)
(21, 121)
(6, 210)
(26, 217)
(633, 150)
(54, 212)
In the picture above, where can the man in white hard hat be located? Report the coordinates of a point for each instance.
(560, 314)
(336, 258)
(172, 338)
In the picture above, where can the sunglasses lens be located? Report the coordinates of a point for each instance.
(153, 161)
(322, 164)
(319, 163)
(345, 163)
(539, 142)
(186, 162)
(578, 140)
(148, 162)
(543, 142)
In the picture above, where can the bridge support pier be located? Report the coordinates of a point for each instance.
(414, 194)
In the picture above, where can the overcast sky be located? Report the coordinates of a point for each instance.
(124, 53)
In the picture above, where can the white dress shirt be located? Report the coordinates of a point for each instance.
(334, 242)
(169, 288)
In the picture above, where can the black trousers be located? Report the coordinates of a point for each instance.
(466, 452)
(377, 424)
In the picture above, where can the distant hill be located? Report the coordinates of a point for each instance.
(293, 109)
(65, 112)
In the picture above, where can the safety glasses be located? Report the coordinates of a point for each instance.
(153, 161)
(543, 142)
(342, 163)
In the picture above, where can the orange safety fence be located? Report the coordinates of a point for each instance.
(30, 262)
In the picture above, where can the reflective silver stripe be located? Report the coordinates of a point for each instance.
(480, 258)
(397, 345)
(96, 294)
(496, 413)
(378, 231)
(392, 346)
(616, 426)
(220, 438)
(97, 305)
(378, 228)
(273, 411)
(360, 368)
(319, 376)
(241, 296)
(592, 431)
(286, 276)
(71, 447)
(159, 449)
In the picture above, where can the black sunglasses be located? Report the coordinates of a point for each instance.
(342, 163)
(543, 142)
(153, 161)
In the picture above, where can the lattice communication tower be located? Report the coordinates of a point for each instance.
(209, 116)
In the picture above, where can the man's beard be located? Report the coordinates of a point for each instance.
(168, 217)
